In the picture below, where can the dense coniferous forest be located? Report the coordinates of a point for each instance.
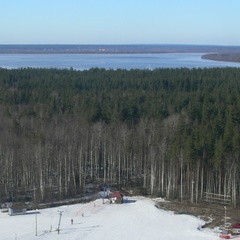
(173, 133)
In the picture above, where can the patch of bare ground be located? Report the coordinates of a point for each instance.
(212, 214)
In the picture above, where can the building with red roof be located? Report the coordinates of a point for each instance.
(116, 197)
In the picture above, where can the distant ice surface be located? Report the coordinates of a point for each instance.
(138, 220)
(110, 61)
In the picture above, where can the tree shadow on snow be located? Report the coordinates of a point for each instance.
(33, 212)
(129, 200)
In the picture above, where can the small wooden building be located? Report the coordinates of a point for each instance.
(116, 197)
(12, 211)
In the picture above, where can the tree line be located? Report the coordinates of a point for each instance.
(158, 130)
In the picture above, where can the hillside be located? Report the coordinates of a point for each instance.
(158, 131)
(137, 219)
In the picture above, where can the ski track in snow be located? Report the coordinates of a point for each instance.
(137, 220)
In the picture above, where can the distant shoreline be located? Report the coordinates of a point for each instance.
(118, 49)
(223, 57)
(210, 52)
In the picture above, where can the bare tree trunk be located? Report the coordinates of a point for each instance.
(169, 179)
(40, 170)
(119, 167)
(162, 175)
(197, 180)
(152, 174)
(59, 166)
(234, 198)
(181, 181)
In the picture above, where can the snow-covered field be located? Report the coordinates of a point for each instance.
(138, 219)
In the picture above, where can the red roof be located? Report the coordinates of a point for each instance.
(116, 195)
(236, 225)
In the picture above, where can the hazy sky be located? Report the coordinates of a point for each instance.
(120, 22)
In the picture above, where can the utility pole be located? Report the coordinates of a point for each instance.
(60, 216)
(36, 213)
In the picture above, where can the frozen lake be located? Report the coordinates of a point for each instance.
(110, 61)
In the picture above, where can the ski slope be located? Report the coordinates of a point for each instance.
(138, 219)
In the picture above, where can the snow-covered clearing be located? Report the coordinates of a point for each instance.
(138, 219)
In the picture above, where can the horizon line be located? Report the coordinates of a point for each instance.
(125, 44)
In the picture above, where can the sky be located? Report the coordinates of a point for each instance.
(120, 22)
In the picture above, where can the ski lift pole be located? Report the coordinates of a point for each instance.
(60, 216)
(36, 221)
(225, 217)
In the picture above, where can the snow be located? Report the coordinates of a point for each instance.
(136, 219)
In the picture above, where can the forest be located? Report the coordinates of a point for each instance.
(173, 133)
